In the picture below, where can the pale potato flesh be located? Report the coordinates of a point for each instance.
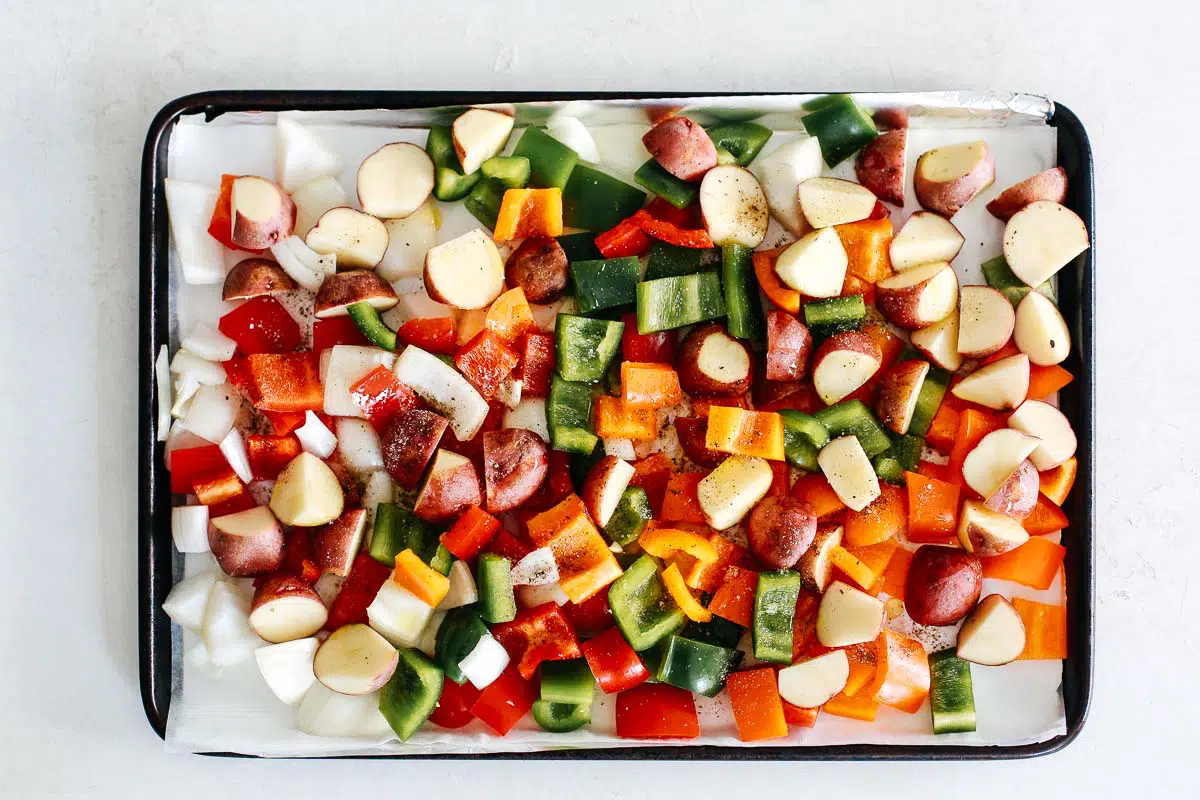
(814, 682)
(395, 180)
(734, 206)
(1041, 239)
(307, 493)
(985, 321)
(939, 342)
(1040, 331)
(833, 201)
(840, 373)
(995, 458)
(993, 634)
(925, 238)
(723, 359)
(999, 385)
(949, 163)
(1057, 441)
(815, 265)
(847, 616)
(479, 134)
(849, 472)
(465, 272)
(728, 493)
(357, 239)
(355, 660)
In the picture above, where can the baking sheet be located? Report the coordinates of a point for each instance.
(232, 710)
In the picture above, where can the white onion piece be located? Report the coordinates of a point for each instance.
(315, 438)
(428, 640)
(286, 257)
(226, 627)
(621, 448)
(287, 668)
(463, 590)
(185, 390)
(162, 377)
(189, 528)
(190, 207)
(534, 596)
(509, 393)
(529, 414)
(212, 412)
(187, 600)
(485, 662)
(359, 445)
(234, 450)
(574, 134)
(319, 263)
(408, 285)
(380, 488)
(536, 569)
(324, 712)
(206, 372)
(207, 342)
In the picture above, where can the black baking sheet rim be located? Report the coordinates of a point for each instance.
(1077, 294)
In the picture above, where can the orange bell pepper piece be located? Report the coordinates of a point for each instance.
(815, 489)
(875, 558)
(1056, 483)
(470, 533)
(867, 244)
(529, 212)
(803, 717)
(702, 405)
(585, 564)
(649, 385)
(860, 708)
(706, 577)
(734, 599)
(665, 542)
(615, 420)
(1034, 563)
(680, 503)
(943, 429)
(973, 425)
(216, 487)
(896, 574)
(854, 569)
(776, 291)
(932, 509)
(1010, 349)
(1046, 517)
(1045, 381)
(510, 316)
(682, 595)
(1045, 630)
(884, 519)
(867, 662)
(652, 474)
(747, 433)
(425, 582)
(757, 707)
(903, 673)
(804, 623)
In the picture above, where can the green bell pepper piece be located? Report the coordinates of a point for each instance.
(561, 717)
(568, 682)
(853, 417)
(484, 201)
(929, 400)
(579, 246)
(887, 467)
(668, 260)
(774, 611)
(834, 315)
(449, 183)
(595, 201)
(696, 666)
(630, 517)
(580, 464)
(372, 326)
(397, 529)
(458, 635)
(442, 559)
(605, 283)
(511, 171)
(550, 161)
(411, 694)
(742, 303)
(1000, 277)
(676, 302)
(803, 438)
(569, 416)
(585, 346)
(642, 607)
(653, 178)
(497, 603)
(742, 140)
(717, 631)
(841, 126)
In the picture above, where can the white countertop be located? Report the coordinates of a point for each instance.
(78, 89)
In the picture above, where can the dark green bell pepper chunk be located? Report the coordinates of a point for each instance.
(742, 140)
(458, 635)
(774, 612)
(642, 606)
(550, 161)
(841, 126)
(595, 201)
(653, 178)
(696, 666)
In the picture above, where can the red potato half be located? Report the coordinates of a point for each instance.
(985, 321)
(681, 147)
(780, 529)
(1041, 239)
(988, 533)
(343, 289)
(788, 346)
(286, 608)
(255, 277)
(734, 206)
(781, 171)
(355, 660)
(1018, 495)
(465, 272)
(814, 566)
(999, 385)
(815, 265)
(848, 616)
(409, 442)
(880, 167)
(713, 363)
(947, 178)
(539, 267)
(832, 201)
(262, 213)
(943, 585)
(357, 239)
(843, 363)
(395, 180)
(602, 489)
(337, 543)
(1056, 439)
(451, 487)
(939, 343)
(1049, 184)
(246, 543)
(925, 238)
(997, 456)
(515, 461)
(1040, 331)
(919, 297)
(479, 134)
(993, 634)
(899, 389)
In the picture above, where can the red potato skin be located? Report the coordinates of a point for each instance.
(780, 529)
(789, 345)
(856, 341)
(280, 586)
(409, 443)
(249, 236)
(899, 306)
(949, 197)
(1049, 184)
(1019, 494)
(896, 386)
(335, 545)
(682, 148)
(255, 277)
(943, 585)
(539, 266)
(515, 462)
(692, 432)
(247, 556)
(354, 286)
(449, 493)
(880, 166)
(891, 118)
(695, 382)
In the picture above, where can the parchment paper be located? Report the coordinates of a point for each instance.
(233, 710)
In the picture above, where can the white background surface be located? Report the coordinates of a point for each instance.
(78, 87)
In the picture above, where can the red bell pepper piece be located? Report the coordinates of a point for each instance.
(803, 717)
(331, 332)
(686, 217)
(242, 501)
(591, 616)
(358, 592)
(220, 225)
(502, 704)
(453, 709)
(471, 533)
(670, 233)
(626, 239)
(381, 396)
(284, 422)
(192, 463)
(261, 325)
(217, 486)
(270, 454)
(657, 711)
(615, 664)
(506, 543)
(646, 347)
(237, 373)
(486, 361)
(436, 335)
(286, 382)
(297, 552)
(537, 634)
(538, 361)
(554, 489)
(653, 473)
